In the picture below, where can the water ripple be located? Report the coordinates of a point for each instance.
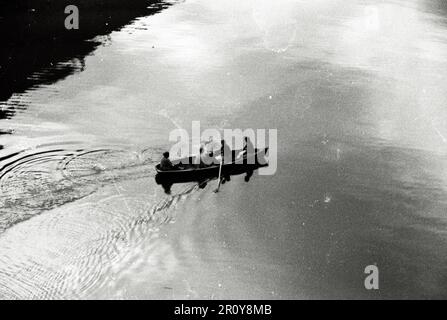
(42, 179)
(73, 251)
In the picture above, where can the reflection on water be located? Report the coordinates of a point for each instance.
(355, 89)
(437, 7)
(37, 49)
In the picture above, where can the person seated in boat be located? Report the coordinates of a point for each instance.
(248, 146)
(225, 151)
(227, 155)
(165, 163)
(206, 159)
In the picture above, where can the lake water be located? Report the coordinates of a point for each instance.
(356, 90)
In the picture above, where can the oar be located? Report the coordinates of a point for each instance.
(220, 173)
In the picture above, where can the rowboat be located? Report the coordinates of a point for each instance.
(190, 172)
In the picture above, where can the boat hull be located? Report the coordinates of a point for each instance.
(196, 174)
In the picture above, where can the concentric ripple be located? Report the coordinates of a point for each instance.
(77, 249)
(42, 179)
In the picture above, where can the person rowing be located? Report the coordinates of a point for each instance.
(225, 152)
(206, 158)
(248, 146)
(226, 157)
(165, 163)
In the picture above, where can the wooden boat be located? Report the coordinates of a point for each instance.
(191, 172)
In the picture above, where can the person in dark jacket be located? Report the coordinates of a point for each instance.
(227, 155)
(248, 146)
(225, 152)
(165, 163)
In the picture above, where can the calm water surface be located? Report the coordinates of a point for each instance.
(357, 92)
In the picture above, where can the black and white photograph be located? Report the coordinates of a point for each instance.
(217, 150)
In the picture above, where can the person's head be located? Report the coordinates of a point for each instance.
(166, 155)
(245, 138)
(222, 142)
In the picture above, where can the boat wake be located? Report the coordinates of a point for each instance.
(45, 178)
(98, 215)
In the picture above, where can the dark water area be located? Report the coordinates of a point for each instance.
(37, 49)
(438, 7)
(355, 88)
